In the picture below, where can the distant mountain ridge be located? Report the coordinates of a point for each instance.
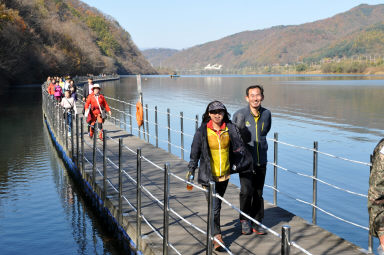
(156, 56)
(58, 37)
(281, 44)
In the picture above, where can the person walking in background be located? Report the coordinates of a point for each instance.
(73, 89)
(51, 88)
(58, 92)
(69, 105)
(66, 83)
(87, 89)
(376, 194)
(214, 144)
(254, 123)
(97, 104)
(61, 83)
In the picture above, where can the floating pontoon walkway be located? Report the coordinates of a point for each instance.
(187, 222)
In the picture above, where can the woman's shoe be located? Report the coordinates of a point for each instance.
(216, 245)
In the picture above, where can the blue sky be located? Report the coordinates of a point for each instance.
(183, 24)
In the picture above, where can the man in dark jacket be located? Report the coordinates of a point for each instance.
(254, 123)
(87, 89)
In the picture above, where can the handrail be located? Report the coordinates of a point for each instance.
(317, 207)
(317, 179)
(324, 153)
(221, 198)
(269, 139)
(225, 201)
(178, 215)
(278, 166)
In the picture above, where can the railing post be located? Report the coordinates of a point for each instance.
(146, 117)
(156, 128)
(104, 164)
(315, 164)
(59, 122)
(130, 118)
(66, 130)
(77, 141)
(94, 156)
(82, 144)
(196, 122)
(72, 137)
(120, 181)
(182, 135)
(211, 193)
(138, 199)
(125, 118)
(62, 124)
(285, 239)
(166, 210)
(169, 129)
(275, 151)
(370, 239)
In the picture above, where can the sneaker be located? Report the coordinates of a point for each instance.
(216, 245)
(245, 227)
(258, 229)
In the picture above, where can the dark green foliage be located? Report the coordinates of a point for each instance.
(301, 67)
(344, 67)
(108, 45)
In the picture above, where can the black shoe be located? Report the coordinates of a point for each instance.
(258, 229)
(245, 227)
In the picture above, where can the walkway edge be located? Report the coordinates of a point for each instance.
(107, 211)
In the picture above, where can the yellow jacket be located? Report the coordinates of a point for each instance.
(219, 143)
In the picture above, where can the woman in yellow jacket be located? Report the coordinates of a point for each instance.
(218, 146)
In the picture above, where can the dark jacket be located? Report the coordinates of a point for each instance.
(86, 91)
(256, 141)
(200, 152)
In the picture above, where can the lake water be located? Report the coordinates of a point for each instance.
(41, 210)
(343, 113)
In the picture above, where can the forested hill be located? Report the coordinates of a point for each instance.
(157, 55)
(58, 37)
(289, 44)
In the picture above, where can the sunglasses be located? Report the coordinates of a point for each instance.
(217, 112)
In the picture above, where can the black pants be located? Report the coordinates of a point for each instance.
(251, 193)
(220, 190)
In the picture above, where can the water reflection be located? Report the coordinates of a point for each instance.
(41, 211)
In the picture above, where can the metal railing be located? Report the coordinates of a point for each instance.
(180, 132)
(76, 151)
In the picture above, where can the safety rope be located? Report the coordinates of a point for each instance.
(326, 212)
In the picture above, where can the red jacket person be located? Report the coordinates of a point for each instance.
(96, 103)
